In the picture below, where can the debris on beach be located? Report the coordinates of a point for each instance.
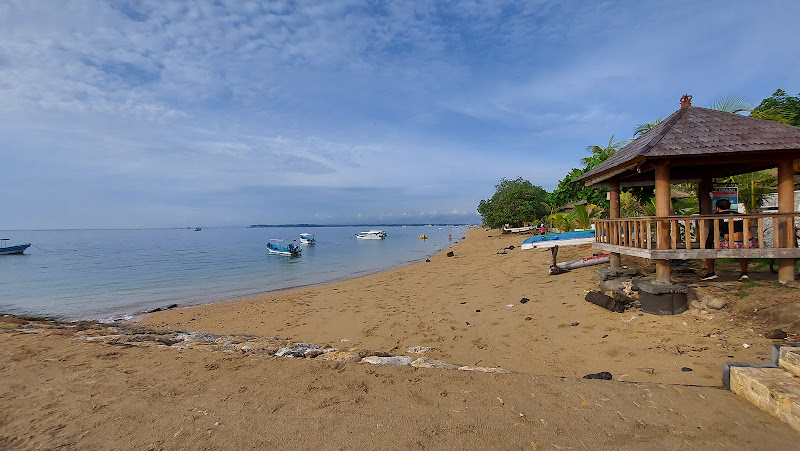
(391, 361)
(603, 375)
(524, 300)
(424, 362)
(606, 301)
(776, 334)
(130, 335)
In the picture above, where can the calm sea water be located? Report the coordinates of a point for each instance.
(109, 274)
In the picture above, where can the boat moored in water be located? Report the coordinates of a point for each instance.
(371, 235)
(283, 247)
(307, 238)
(12, 250)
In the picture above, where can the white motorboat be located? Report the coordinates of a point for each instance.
(371, 235)
(307, 238)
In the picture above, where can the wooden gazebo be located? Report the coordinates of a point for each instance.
(696, 145)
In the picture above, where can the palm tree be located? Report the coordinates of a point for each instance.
(752, 187)
(732, 104)
(645, 127)
(582, 215)
(561, 221)
(600, 154)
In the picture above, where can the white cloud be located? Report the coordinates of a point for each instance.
(428, 104)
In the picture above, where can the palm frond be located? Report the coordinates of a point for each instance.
(732, 104)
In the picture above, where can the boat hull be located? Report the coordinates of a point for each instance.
(558, 239)
(291, 249)
(282, 252)
(14, 250)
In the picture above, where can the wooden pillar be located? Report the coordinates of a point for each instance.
(703, 197)
(706, 205)
(663, 202)
(785, 227)
(613, 198)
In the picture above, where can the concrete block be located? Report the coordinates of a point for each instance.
(790, 360)
(773, 390)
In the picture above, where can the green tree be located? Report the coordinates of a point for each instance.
(562, 221)
(753, 186)
(779, 107)
(582, 215)
(601, 154)
(514, 202)
(732, 104)
(645, 127)
(568, 190)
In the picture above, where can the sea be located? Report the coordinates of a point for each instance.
(110, 275)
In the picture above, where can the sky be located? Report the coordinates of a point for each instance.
(127, 114)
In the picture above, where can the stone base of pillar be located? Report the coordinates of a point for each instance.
(663, 299)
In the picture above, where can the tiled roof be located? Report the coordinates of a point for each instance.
(691, 132)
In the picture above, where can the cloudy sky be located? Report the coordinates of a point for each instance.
(123, 113)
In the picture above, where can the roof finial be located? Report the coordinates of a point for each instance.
(686, 100)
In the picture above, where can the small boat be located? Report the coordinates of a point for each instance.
(307, 238)
(508, 229)
(559, 239)
(371, 235)
(197, 229)
(282, 247)
(11, 250)
(423, 237)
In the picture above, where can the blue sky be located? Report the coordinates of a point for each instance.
(213, 113)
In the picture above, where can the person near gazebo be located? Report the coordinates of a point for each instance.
(723, 207)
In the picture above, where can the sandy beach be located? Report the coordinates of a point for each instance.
(62, 390)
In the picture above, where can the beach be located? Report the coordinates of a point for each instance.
(63, 391)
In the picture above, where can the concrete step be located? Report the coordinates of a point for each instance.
(771, 389)
(789, 360)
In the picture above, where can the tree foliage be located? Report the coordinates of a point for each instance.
(780, 108)
(514, 202)
(732, 104)
(568, 190)
(645, 127)
(600, 154)
(753, 187)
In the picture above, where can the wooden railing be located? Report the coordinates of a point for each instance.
(672, 233)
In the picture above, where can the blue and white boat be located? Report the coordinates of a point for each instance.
(307, 238)
(283, 247)
(11, 250)
(559, 239)
(371, 235)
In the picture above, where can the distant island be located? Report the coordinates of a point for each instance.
(351, 225)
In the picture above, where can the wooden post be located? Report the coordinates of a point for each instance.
(613, 213)
(706, 207)
(785, 226)
(663, 202)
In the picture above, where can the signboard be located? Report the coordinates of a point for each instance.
(731, 193)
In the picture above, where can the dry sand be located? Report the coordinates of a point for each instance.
(58, 391)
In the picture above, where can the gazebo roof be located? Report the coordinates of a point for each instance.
(697, 142)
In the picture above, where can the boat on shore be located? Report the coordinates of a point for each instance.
(371, 235)
(282, 247)
(307, 238)
(559, 239)
(12, 250)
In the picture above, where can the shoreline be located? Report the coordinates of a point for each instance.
(148, 390)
